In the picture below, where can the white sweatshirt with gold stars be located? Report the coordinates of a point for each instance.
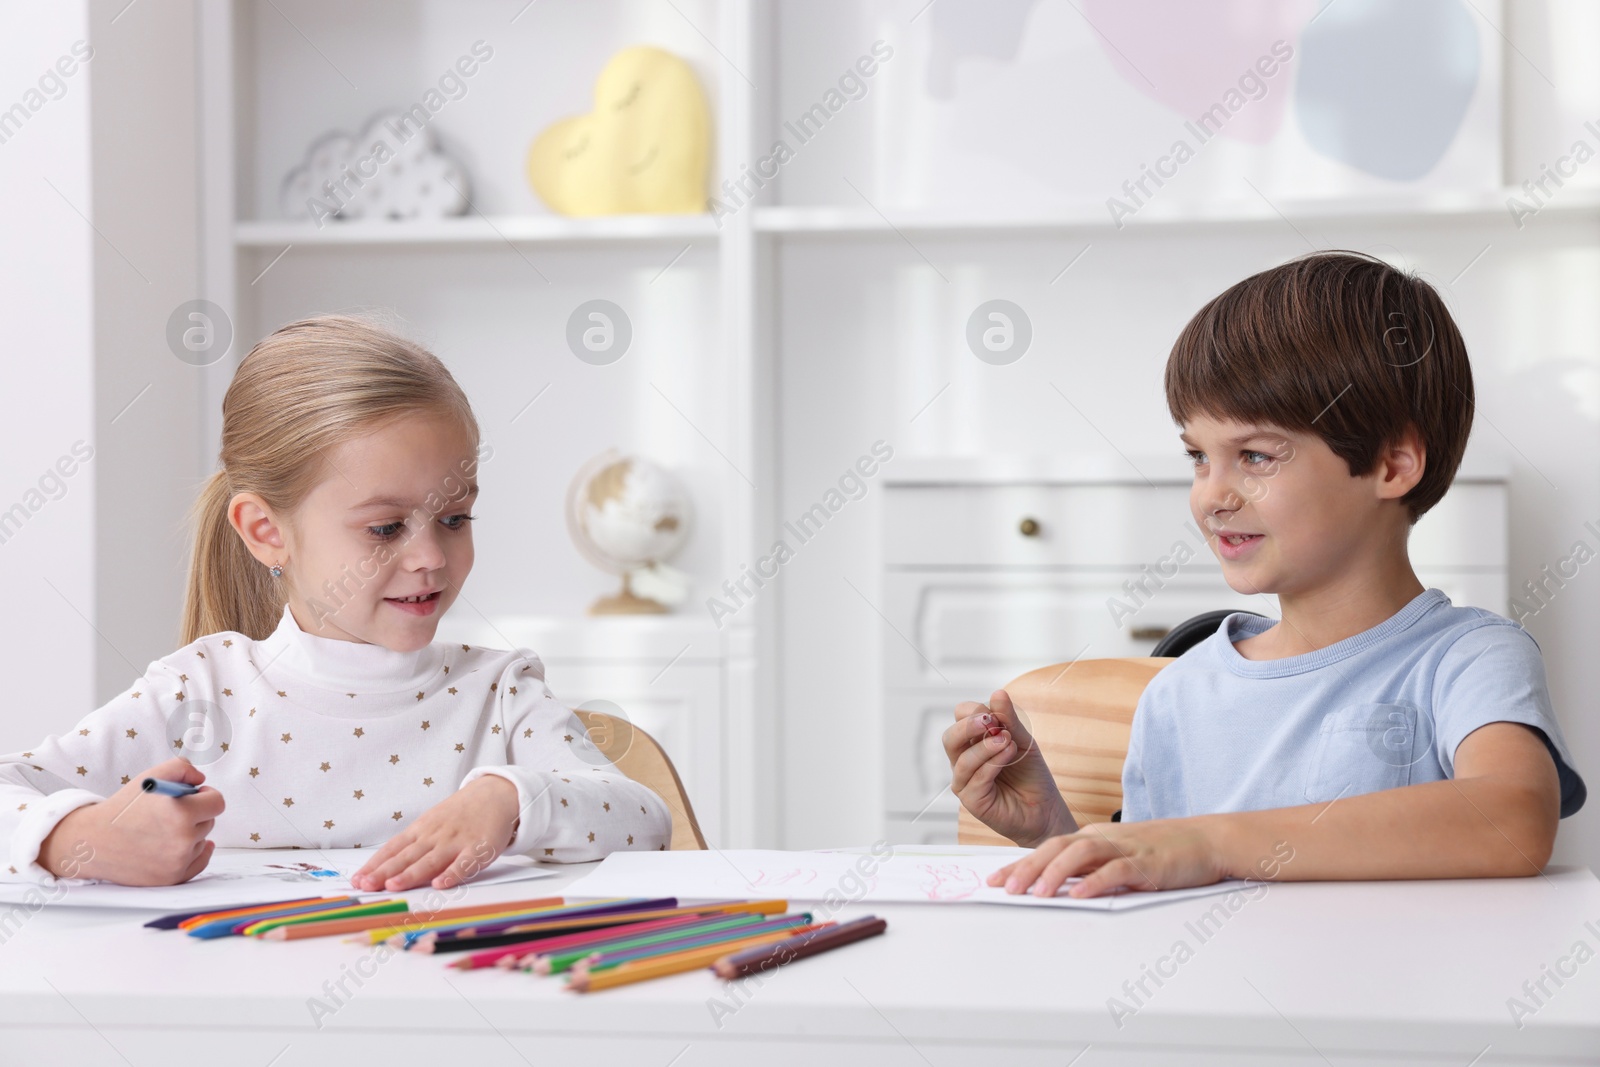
(318, 743)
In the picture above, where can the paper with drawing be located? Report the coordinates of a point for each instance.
(908, 874)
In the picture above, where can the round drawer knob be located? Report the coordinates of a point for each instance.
(1028, 527)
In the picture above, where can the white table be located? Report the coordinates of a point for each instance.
(1369, 973)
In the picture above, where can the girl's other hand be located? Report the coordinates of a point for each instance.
(1158, 854)
(449, 843)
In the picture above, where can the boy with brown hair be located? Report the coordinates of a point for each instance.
(1376, 730)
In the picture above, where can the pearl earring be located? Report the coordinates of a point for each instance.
(277, 570)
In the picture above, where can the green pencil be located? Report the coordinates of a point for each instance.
(557, 962)
(355, 911)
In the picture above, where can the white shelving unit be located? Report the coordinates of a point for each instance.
(743, 325)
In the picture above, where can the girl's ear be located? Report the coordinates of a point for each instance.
(1401, 465)
(258, 527)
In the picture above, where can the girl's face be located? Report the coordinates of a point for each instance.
(379, 550)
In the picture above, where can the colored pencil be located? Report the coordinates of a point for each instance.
(227, 927)
(557, 961)
(506, 955)
(450, 929)
(195, 919)
(794, 948)
(603, 960)
(170, 922)
(332, 927)
(376, 907)
(677, 963)
(396, 934)
(557, 927)
(486, 927)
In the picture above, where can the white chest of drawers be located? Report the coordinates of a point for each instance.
(993, 568)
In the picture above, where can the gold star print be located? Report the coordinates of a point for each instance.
(132, 732)
(126, 779)
(252, 713)
(27, 755)
(227, 692)
(641, 808)
(178, 744)
(549, 852)
(224, 746)
(183, 677)
(606, 805)
(288, 802)
(352, 696)
(493, 686)
(282, 693)
(359, 794)
(591, 835)
(255, 772)
(360, 732)
(179, 694)
(325, 765)
(135, 694)
(84, 732)
(447, 668)
(451, 690)
(563, 802)
(394, 758)
(466, 648)
(495, 729)
(566, 779)
(396, 816)
(286, 738)
(567, 738)
(255, 837)
(22, 807)
(419, 694)
(630, 839)
(460, 747)
(327, 824)
(202, 655)
(528, 732)
(427, 781)
(424, 724)
(512, 690)
(228, 643)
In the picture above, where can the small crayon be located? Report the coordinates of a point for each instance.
(163, 788)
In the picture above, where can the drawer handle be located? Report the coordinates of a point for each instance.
(1149, 633)
(1029, 527)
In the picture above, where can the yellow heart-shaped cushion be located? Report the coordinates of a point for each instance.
(645, 148)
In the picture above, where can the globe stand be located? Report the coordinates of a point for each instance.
(627, 603)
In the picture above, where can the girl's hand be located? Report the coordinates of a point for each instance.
(1158, 854)
(1000, 775)
(138, 838)
(449, 843)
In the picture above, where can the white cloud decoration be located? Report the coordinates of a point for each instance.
(392, 170)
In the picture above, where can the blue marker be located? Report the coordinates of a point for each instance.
(168, 789)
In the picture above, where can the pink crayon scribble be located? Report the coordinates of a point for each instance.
(949, 881)
(789, 876)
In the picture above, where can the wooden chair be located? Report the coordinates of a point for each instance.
(1080, 715)
(638, 756)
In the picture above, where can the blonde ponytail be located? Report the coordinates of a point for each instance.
(302, 390)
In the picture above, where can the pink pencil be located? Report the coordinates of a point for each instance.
(507, 955)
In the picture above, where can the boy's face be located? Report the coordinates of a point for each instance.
(389, 523)
(1280, 510)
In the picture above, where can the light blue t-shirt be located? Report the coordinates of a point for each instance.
(1215, 732)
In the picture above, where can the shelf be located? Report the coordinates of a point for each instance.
(479, 229)
(1487, 205)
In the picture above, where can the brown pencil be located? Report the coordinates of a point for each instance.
(765, 956)
(659, 966)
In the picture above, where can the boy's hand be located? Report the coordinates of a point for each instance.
(1159, 854)
(138, 838)
(449, 843)
(1000, 775)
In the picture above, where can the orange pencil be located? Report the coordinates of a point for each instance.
(676, 963)
(240, 913)
(332, 927)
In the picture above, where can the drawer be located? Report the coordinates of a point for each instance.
(981, 526)
(976, 630)
(1129, 526)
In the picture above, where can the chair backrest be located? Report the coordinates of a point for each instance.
(1080, 714)
(637, 755)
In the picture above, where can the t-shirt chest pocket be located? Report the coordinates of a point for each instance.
(1366, 747)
